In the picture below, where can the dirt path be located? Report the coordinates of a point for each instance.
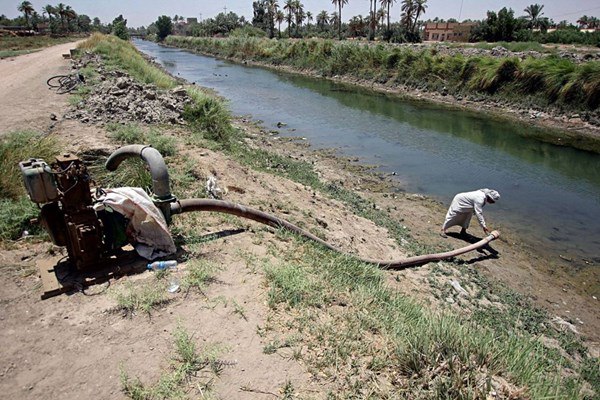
(74, 346)
(26, 101)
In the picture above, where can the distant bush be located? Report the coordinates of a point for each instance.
(569, 36)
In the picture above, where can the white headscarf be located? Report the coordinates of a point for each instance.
(492, 194)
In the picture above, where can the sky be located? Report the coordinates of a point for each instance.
(144, 12)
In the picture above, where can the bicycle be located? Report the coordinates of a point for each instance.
(65, 83)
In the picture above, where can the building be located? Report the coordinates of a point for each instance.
(448, 31)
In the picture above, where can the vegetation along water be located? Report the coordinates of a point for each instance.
(550, 194)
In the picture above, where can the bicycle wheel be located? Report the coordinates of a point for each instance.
(68, 85)
(56, 81)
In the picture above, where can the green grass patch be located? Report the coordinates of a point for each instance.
(20, 146)
(359, 331)
(14, 53)
(199, 273)
(16, 210)
(15, 218)
(136, 134)
(209, 119)
(186, 363)
(132, 299)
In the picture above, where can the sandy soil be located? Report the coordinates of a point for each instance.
(72, 346)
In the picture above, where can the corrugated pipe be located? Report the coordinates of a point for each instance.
(190, 205)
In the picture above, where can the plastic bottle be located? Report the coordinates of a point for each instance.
(158, 265)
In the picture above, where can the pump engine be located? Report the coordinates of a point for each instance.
(70, 212)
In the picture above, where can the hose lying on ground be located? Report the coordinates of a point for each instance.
(239, 210)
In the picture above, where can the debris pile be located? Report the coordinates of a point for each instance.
(119, 98)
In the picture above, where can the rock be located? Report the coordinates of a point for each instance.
(561, 324)
(179, 91)
(459, 289)
(122, 83)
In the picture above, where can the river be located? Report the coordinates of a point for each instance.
(550, 194)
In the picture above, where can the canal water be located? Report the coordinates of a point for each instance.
(550, 194)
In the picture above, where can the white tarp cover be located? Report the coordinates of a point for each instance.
(147, 229)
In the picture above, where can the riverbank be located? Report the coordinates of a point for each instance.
(564, 124)
(273, 314)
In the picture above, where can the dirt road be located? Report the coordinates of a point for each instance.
(26, 101)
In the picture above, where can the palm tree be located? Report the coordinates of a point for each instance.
(27, 9)
(583, 22)
(372, 10)
(299, 14)
(420, 7)
(70, 15)
(380, 17)
(388, 4)
(309, 18)
(279, 17)
(408, 10)
(272, 7)
(60, 11)
(340, 4)
(322, 19)
(334, 19)
(534, 12)
(289, 7)
(48, 9)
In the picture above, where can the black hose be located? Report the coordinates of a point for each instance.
(239, 210)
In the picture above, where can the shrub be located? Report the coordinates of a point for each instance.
(248, 31)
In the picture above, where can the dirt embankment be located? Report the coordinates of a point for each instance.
(73, 346)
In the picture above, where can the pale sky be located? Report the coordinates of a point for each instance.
(144, 12)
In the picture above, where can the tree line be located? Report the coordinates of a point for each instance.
(62, 19)
(291, 19)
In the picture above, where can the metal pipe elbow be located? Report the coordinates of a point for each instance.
(156, 164)
(158, 170)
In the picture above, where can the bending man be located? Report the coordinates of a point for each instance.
(464, 205)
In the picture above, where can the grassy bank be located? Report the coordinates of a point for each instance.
(549, 81)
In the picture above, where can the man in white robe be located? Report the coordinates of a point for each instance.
(464, 205)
